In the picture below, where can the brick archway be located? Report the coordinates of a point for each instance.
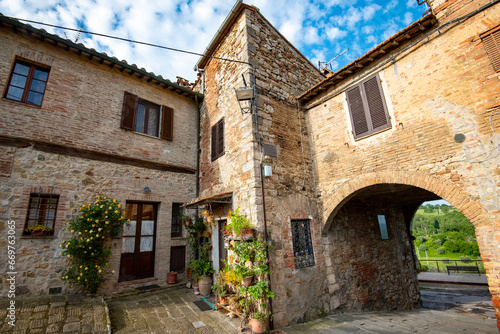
(448, 191)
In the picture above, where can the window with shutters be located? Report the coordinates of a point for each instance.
(367, 108)
(491, 41)
(146, 117)
(218, 140)
(27, 83)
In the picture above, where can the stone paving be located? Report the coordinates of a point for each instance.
(168, 311)
(446, 309)
(55, 314)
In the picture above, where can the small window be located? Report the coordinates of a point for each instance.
(42, 210)
(491, 41)
(146, 117)
(27, 83)
(367, 108)
(218, 140)
(302, 243)
(176, 221)
(383, 227)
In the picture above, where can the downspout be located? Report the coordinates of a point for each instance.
(198, 150)
(262, 191)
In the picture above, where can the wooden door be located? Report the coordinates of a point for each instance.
(178, 258)
(139, 242)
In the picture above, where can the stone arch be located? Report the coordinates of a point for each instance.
(454, 194)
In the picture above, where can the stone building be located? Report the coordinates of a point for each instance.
(353, 154)
(75, 124)
(348, 156)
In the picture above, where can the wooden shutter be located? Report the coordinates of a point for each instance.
(491, 41)
(214, 142)
(167, 123)
(220, 138)
(367, 108)
(129, 111)
(357, 110)
(376, 104)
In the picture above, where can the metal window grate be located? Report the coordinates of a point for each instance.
(302, 243)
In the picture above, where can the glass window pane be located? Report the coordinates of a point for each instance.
(129, 228)
(383, 227)
(35, 98)
(153, 121)
(21, 69)
(15, 93)
(18, 80)
(131, 211)
(40, 75)
(128, 245)
(146, 244)
(147, 211)
(139, 127)
(147, 227)
(37, 86)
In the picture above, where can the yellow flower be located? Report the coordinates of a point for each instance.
(113, 271)
(81, 274)
(80, 266)
(88, 240)
(110, 208)
(86, 268)
(66, 277)
(114, 200)
(68, 255)
(67, 223)
(116, 211)
(78, 277)
(119, 205)
(97, 235)
(105, 211)
(91, 238)
(72, 231)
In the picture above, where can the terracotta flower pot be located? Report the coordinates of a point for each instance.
(247, 281)
(172, 277)
(258, 326)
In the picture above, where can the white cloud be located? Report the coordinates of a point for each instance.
(311, 35)
(334, 33)
(368, 30)
(408, 19)
(369, 11)
(411, 3)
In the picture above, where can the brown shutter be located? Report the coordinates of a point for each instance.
(491, 42)
(167, 123)
(220, 138)
(376, 104)
(129, 111)
(358, 116)
(214, 142)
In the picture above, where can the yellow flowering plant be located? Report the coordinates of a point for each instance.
(87, 251)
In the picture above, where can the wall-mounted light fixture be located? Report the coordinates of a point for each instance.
(245, 96)
(147, 190)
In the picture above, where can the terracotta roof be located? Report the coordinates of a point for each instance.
(102, 58)
(374, 54)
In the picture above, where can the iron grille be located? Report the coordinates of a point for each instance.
(302, 243)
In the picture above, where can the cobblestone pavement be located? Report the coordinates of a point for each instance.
(55, 314)
(168, 311)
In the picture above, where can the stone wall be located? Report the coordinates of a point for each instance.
(442, 87)
(73, 146)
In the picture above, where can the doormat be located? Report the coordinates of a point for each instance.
(202, 305)
(148, 287)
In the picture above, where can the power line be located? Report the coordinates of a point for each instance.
(128, 40)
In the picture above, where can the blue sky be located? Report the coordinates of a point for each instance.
(320, 29)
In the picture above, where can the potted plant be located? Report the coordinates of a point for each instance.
(259, 310)
(240, 226)
(38, 229)
(203, 269)
(186, 220)
(245, 274)
(221, 289)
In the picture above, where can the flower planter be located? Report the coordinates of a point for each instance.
(258, 326)
(205, 285)
(172, 277)
(247, 281)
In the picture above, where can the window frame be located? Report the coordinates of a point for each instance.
(217, 140)
(366, 114)
(41, 219)
(302, 260)
(176, 220)
(130, 107)
(30, 77)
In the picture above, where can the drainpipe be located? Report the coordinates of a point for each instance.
(198, 149)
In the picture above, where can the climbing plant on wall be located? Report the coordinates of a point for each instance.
(88, 251)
